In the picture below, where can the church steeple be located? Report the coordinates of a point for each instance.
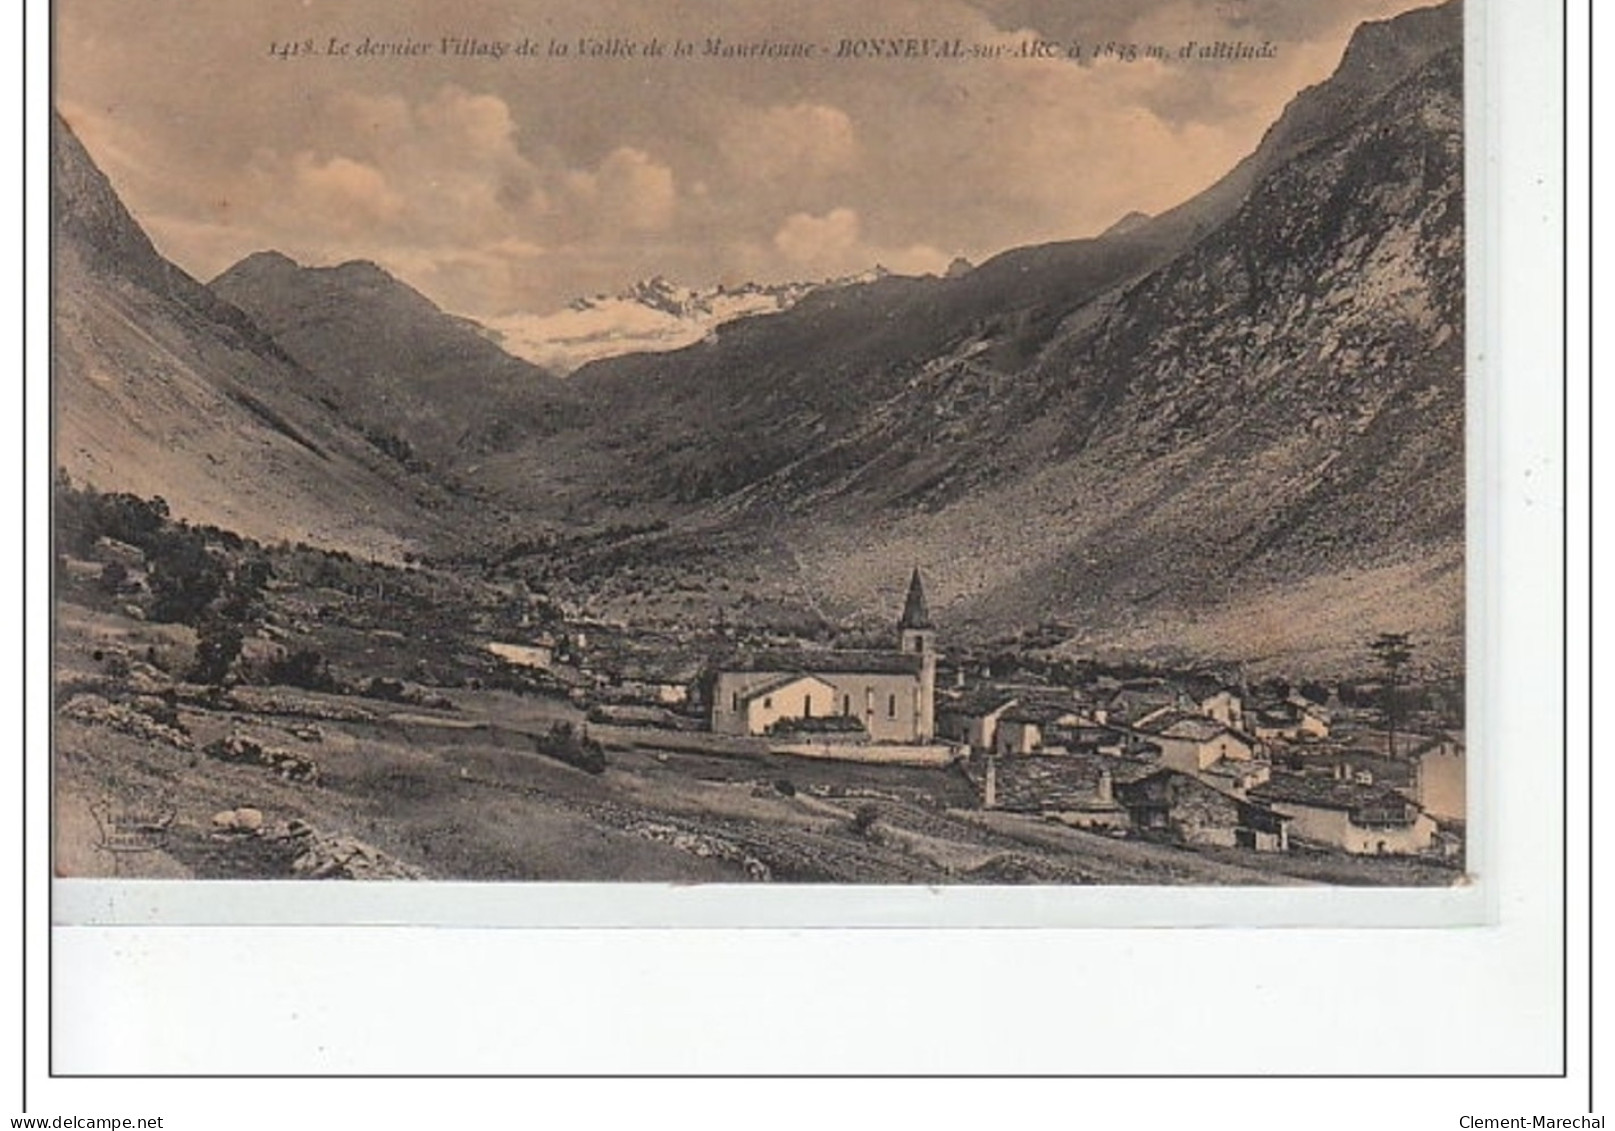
(915, 631)
(917, 637)
(915, 613)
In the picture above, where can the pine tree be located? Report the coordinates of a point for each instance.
(1394, 651)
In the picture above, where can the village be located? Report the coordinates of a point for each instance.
(1191, 759)
(468, 725)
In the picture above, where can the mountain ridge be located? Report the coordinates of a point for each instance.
(161, 388)
(431, 382)
(1232, 431)
(1255, 395)
(653, 315)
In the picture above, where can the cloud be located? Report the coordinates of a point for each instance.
(480, 124)
(352, 196)
(437, 188)
(701, 170)
(816, 240)
(807, 140)
(833, 244)
(634, 191)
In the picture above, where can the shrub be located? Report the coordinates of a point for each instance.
(218, 643)
(114, 576)
(863, 820)
(305, 668)
(391, 690)
(565, 744)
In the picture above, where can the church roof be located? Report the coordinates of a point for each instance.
(915, 613)
(810, 661)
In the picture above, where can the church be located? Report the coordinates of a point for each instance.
(891, 693)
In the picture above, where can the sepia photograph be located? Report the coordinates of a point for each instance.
(987, 442)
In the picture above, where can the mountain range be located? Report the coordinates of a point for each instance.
(1236, 426)
(651, 316)
(1233, 430)
(403, 365)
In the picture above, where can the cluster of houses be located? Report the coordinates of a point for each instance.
(1189, 760)
(1154, 757)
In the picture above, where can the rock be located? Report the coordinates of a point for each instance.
(292, 767)
(235, 748)
(99, 711)
(339, 857)
(242, 820)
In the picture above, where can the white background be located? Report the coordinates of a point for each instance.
(1449, 1001)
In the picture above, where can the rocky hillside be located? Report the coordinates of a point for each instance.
(161, 388)
(434, 386)
(1235, 429)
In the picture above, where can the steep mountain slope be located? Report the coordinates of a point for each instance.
(162, 388)
(406, 370)
(1234, 430)
(690, 427)
(1260, 446)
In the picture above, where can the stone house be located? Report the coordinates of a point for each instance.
(972, 718)
(1440, 777)
(1138, 699)
(1022, 727)
(1361, 819)
(1192, 743)
(1075, 789)
(1293, 719)
(1225, 707)
(1180, 807)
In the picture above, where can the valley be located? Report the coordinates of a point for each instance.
(351, 586)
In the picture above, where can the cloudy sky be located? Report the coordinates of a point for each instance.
(513, 184)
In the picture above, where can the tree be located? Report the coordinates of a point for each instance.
(218, 643)
(1394, 651)
(183, 576)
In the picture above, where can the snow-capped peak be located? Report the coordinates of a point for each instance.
(652, 315)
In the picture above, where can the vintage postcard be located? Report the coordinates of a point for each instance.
(901, 445)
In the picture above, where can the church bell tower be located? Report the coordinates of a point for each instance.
(917, 636)
(915, 630)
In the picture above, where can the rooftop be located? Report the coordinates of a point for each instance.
(1042, 712)
(1183, 724)
(1032, 784)
(1168, 787)
(977, 701)
(797, 661)
(1326, 793)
